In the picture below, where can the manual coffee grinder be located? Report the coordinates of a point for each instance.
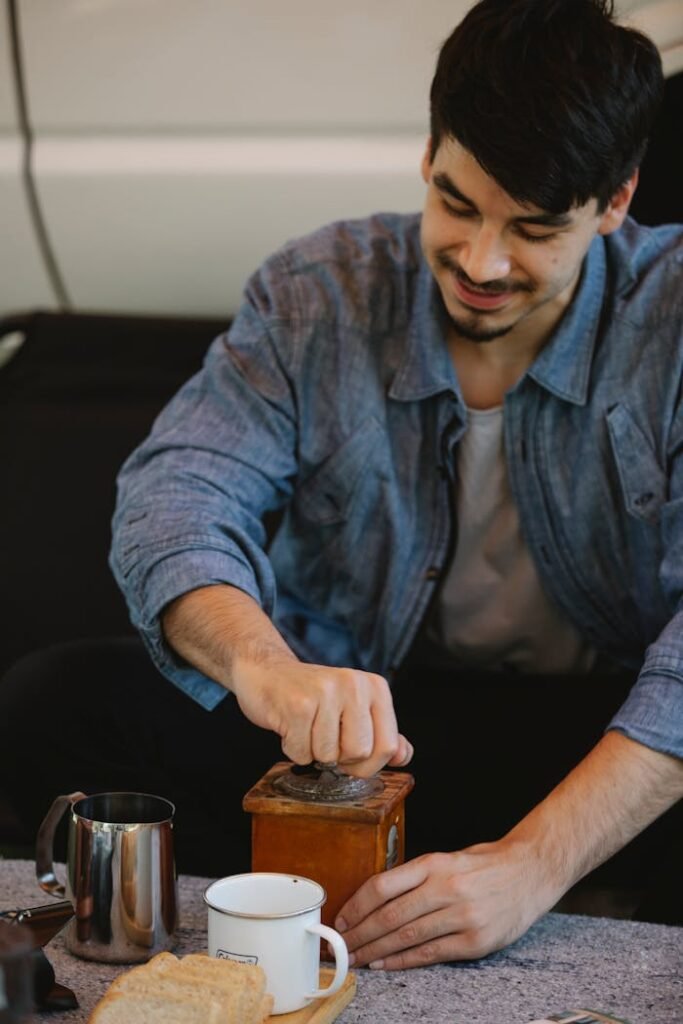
(318, 822)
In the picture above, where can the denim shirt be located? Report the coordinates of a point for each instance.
(333, 399)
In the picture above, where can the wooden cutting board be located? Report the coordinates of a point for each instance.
(322, 1011)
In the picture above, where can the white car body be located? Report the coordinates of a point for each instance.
(170, 145)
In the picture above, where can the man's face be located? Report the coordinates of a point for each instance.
(503, 268)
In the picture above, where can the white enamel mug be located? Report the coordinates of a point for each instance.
(273, 920)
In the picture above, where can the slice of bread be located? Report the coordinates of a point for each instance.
(134, 1008)
(175, 986)
(249, 979)
(255, 1005)
(206, 990)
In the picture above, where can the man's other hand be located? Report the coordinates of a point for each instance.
(442, 906)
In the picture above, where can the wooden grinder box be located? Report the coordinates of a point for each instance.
(339, 844)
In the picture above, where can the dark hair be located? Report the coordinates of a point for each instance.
(552, 98)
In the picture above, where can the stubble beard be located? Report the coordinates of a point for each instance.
(472, 330)
(472, 327)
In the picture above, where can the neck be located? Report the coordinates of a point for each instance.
(486, 370)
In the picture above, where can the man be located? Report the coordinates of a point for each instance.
(366, 387)
(470, 425)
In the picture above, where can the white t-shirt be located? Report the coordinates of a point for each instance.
(492, 612)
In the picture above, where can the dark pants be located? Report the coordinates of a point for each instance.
(97, 716)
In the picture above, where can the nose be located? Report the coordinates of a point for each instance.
(483, 255)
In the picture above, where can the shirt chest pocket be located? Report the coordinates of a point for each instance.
(335, 490)
(643, 482)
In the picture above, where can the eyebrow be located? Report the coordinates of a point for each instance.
(551, 220)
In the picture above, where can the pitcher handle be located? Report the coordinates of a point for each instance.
(45, 871)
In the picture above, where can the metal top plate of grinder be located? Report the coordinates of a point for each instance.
(321, 782)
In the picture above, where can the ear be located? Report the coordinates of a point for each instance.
(613, 215)
(426, 164)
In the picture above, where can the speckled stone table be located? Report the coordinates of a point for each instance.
(632, 970)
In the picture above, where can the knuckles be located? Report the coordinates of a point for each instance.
(303, 706)
(378, 886)
(391, 918)
(429, 953)
(409, 935)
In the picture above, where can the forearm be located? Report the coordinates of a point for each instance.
(618, 789)
(219, 628)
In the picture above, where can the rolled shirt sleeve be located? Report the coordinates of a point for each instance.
(653, 712)
(192, 496)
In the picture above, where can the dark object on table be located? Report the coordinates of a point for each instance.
(16, 974)
(31, 929)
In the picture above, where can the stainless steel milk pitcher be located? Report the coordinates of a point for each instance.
(121, 875)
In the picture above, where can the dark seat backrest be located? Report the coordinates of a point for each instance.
(659, 196)
(77, 397)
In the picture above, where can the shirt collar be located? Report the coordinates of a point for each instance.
(425, 368)
(563, 366)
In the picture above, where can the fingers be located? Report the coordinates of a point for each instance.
(355, 917)
(448, 947)
(362, 746)
(299, 707)
(370, 737)
(408, 917)
(395, 919)
(342, 716)
(404, 754)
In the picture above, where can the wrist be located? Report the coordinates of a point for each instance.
(254, 657)
(544, 857)
(224, 633)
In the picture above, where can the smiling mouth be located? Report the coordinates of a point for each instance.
(479, 298)
(490, 296)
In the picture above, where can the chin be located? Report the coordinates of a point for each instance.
(473, 328)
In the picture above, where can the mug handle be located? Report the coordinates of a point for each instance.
(45, 872)
(341, 959)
